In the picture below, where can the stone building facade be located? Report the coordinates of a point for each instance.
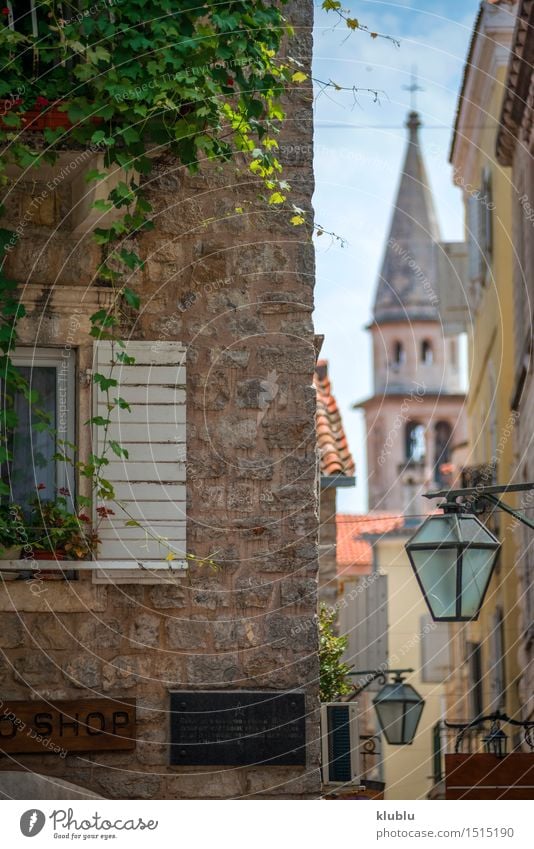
(227, 300)
(515, 149)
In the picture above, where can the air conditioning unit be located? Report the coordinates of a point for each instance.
(340, 743)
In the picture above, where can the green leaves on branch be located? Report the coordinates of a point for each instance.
(332, 671)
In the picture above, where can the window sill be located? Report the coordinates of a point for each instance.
(106, 571)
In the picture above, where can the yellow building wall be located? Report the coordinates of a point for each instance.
(408, 769)
(490, 419)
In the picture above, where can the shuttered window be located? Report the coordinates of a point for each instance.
(363, 620)
(475, 258)
(150, 518)
(475, 684)
(497, 677)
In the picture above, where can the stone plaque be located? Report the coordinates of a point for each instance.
(81, 725)
(237, 728)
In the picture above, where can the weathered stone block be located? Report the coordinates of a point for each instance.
(166, 596)
(215, 670)
(12, 631)
(298, 591)
(84, 671)
(252, 592)
(187, 634)
(144, 631)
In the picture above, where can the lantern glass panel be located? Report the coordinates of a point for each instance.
(474, 531)
(436, 570)
(399, 708)
(476, 570)
(436, 529)
(391, 719)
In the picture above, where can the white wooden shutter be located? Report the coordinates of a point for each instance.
(474, 247)
(364, 622)
(150, 484)
(497, 681)
(435, 654)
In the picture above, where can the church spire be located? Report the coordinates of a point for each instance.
(408, 280)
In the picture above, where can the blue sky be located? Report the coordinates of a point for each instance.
(357, 164)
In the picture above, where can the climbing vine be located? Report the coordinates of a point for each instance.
(134, 79)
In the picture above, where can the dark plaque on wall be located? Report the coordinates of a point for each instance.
(238, 728)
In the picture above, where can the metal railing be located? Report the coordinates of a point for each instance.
(445, 741)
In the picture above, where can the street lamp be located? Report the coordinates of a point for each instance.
(495, 741)
(453, 554)
(398, 705)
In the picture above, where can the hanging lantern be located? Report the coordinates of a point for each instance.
(453, 556)
(399, 708)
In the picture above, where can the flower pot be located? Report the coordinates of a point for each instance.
(49, 574)
(47, 555)
(11, 553)
(35, 120)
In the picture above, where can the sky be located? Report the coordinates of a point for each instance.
(359, 148)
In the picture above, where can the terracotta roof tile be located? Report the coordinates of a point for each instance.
(354, 553)
(335, 456)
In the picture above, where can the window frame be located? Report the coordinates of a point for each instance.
(55, 358)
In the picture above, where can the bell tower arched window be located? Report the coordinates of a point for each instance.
(442, 450)
(399, 353)
(427, 353)
(415, 442)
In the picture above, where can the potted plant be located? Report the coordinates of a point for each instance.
(55, 532)
(12, 536)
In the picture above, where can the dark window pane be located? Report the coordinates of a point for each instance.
(32, 450)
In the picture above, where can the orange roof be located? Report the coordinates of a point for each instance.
(334, 453)
(354, 554)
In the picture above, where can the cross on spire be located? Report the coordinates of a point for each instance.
(413, 88)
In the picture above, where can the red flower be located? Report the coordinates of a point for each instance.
(5, 11)
(83, 517)
(64, 491)
(104, 511)
(41, 101)
(41, 486)
(229, 81)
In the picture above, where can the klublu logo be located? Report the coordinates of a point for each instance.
(32, 822)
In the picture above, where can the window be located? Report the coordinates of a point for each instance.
(474, 665)
(442, 450)
(399, 354)
(497, 676)
(415, 442)
(453, 353)
(480, 229)
(427, 354)
(50, 373)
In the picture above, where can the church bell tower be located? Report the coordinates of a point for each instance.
(415, 414)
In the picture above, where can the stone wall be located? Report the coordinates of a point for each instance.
(237, 290)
